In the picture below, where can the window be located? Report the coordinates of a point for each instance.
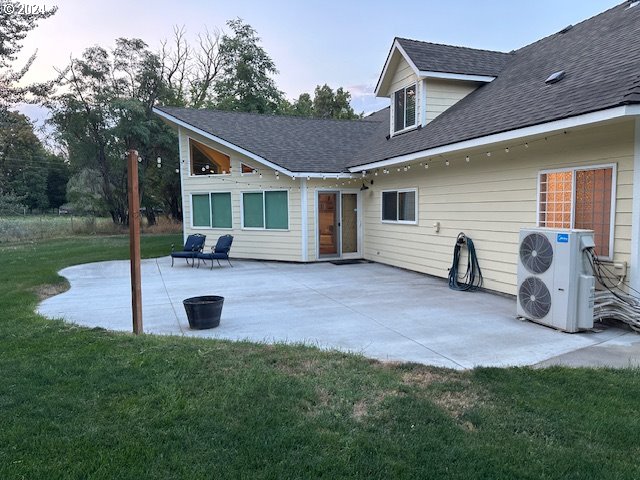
(244, 168)
(207, 161)
(399, 206)
(268, 210)
(212, 210)
(580, 198)
(404, 103)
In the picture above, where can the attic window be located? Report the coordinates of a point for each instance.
(207, 161)
(404, 108)
(555, 77)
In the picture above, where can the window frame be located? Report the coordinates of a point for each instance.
(574, 170)
(264, 213)
(210, 227)
(415, 113)
(190, 160)
(398, 191)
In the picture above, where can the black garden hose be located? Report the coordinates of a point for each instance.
(472, 279)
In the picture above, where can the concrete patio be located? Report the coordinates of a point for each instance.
(379, 311)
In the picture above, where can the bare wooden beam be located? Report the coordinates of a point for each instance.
(134, 241)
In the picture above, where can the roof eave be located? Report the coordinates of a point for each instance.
(590, 118)
(456, 76)
(291, 173)
(381, 89)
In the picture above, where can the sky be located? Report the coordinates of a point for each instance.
(340, 43)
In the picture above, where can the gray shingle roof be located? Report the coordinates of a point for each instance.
(601, 58)
(294, 143)
(436, 57)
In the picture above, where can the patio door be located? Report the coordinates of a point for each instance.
(338, 224)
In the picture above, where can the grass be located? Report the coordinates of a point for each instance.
(39, 227)
(88, 403)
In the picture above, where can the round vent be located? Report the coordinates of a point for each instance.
(536, 253)
(534, 297)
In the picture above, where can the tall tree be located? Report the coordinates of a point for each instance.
(104, 110)
(246, 82)
(24, 163)
(14, 27)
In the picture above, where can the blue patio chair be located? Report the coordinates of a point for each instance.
(219, 252)
(193, 246)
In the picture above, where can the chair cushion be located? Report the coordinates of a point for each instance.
(184, 254)
(223, 245)
(213, 256)
(194, 242)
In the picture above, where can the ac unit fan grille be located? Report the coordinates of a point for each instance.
(534, 297)
(536, 253)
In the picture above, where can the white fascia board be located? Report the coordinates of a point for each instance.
(571, 122)
(456, 76)
(323, 174)
(398, 47)
(221, 141)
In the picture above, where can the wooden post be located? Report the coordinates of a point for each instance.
(134, 241)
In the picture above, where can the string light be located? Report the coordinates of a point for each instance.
(526, 144)
(467, 159)
(506, 150)
(446, 162)
(488, 154)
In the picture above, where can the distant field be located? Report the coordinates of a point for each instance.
(38, 227)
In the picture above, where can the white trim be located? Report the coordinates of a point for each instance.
(397, 191)
(614, 184)
(456, 76)
(304, 221)
(221, 141)
(264, 216)
(396, 46)
(423, 102)
(208, 193)
(634, 261)
(183, 199)
(247, 153)
(540, 129)
(404, 113)
(360, 221)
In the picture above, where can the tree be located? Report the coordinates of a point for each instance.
(330, 104)
(106, 109)
(24, 163)
(14, 27)
(245, 83)
(57, 179)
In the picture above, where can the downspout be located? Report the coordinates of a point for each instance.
(304, 221)
(183, 165)
(635, 216)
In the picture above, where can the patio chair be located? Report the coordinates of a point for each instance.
(193, 246)
(219, 252)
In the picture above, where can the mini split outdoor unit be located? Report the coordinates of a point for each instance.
(556, 286)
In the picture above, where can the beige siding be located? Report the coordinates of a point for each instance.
(489, 199)
(442, 94)
(261, 244)
(402, 77)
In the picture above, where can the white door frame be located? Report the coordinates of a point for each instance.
(339, 192)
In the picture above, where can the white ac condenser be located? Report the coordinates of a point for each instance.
(556, 286)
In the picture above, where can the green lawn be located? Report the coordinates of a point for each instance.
(87, 403)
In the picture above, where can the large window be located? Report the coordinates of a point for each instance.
(580, 198)
(404, 107)
(207, 161)
(268, 210)
(399, 206)
(212, 210)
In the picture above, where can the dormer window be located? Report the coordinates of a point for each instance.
(404, 103)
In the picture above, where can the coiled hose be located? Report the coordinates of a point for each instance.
(472, 279)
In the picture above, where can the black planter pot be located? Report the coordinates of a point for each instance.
(203, 312)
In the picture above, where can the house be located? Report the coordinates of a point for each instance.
(476, 141)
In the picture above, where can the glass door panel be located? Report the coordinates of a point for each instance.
(328, 224)
(349, 223)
